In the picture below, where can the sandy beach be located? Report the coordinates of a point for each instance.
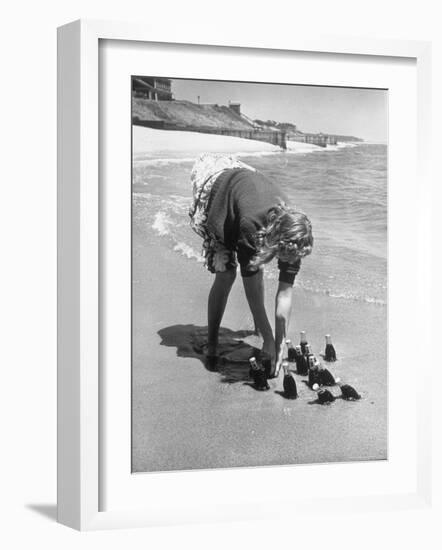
(186, 417)
(158, 143)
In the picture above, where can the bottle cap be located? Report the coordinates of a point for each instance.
(315, 387)
(252, 360)
(303, 337)
(328, 339)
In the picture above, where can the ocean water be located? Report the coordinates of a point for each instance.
(343, 190)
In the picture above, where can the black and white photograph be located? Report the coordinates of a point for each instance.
(259, 274)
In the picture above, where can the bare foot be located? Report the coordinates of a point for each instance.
(211, 363)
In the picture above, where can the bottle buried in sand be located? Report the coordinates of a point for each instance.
(257, 373)
(326, 378)
(349, 393)
(303, 341)
(289, 383)
(325, 397)
(330, 353)
(317, 374)
(301, 362)
(291, 353)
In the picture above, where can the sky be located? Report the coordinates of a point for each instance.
(349, 111)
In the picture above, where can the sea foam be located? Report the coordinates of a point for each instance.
(161, 223)
(187, 251)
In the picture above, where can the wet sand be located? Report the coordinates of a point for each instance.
(186, 417)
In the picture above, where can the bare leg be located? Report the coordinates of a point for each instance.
(217, 304)
(254, 289)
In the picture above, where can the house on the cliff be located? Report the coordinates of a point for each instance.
(154, 106)
(148, 87)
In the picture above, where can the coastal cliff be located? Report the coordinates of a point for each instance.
(205, 118)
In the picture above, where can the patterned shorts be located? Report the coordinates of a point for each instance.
(206, 170)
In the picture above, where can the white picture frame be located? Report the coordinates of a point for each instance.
(79, 367)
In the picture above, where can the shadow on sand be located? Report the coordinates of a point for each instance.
(233, 351)
(49, 511)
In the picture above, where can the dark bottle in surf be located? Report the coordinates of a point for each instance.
(291, 353)
(330, 352)
(257, 373)
(303, 341)
(289, 383)
(301, 362)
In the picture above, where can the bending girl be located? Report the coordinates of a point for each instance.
(243, 218)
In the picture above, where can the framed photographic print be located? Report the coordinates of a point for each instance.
(208, 176)
(236, 223)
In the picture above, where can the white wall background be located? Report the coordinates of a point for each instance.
(28, 268)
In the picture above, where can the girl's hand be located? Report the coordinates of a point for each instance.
(278, 367)
(279, 354)
(269, 349)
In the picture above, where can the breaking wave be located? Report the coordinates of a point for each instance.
(344, 194)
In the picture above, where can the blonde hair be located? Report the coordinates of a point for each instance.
(286, 233)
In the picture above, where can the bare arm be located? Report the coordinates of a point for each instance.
(283, 307)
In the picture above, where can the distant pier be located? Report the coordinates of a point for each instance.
(322, 140)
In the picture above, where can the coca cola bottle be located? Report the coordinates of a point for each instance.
(349, 393)
(301, 362)
(289, 382)
(257, 373)
(291, 354)
(303, 341)
(330, 352)
(325, 397)
(313, 371)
